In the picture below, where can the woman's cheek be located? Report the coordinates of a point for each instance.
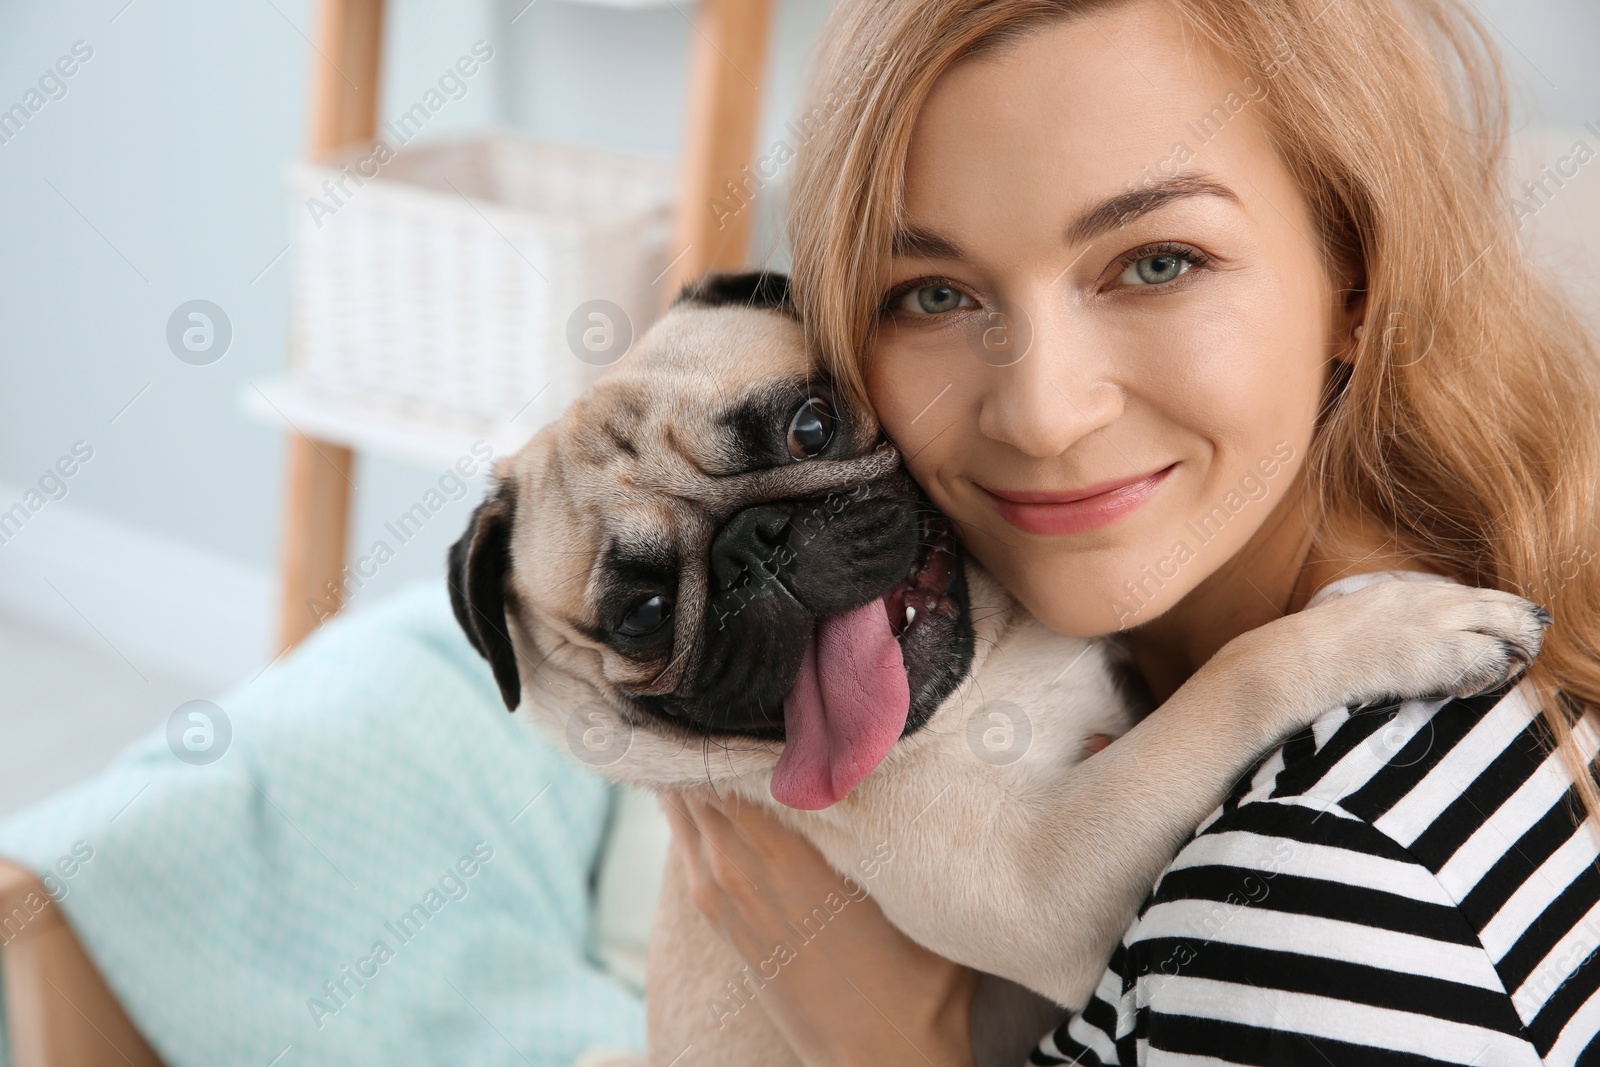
(1242, 373)
(918, 382)
(1209, 367)
(928, 406)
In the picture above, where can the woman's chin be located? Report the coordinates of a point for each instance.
(1106, 596)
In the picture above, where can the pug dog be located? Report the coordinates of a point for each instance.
(714, 568)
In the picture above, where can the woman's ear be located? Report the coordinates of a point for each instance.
(1349, 325)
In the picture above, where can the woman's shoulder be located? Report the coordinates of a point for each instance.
(1451, 785)
(1400, 765)
(1418, 853)
(1427, 774)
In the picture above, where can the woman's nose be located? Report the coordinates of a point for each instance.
(1055, 393)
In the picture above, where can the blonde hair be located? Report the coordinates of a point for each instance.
(1465, 423)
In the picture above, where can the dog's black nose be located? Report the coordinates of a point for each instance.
(751, 546)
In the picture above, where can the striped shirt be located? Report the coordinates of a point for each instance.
(1403, 884)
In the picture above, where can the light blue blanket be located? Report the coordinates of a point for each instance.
(383, 867)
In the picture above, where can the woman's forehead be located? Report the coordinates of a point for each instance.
(1086, 126)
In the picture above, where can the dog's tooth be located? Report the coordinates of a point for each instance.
(911, 614)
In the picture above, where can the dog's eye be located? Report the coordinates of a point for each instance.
(646, 617)
(811, 429)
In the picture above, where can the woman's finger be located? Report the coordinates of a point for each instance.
(685, 833)
(683, 826)
(708, 897)
(734, 863)
(717, 861)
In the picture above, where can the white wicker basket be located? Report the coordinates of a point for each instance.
(442, 288)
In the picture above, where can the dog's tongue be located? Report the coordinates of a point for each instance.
(846, 710)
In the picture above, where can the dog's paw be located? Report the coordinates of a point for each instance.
(1429, 639)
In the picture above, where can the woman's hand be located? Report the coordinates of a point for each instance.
(858, 992)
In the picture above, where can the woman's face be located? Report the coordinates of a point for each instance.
(1107, 323)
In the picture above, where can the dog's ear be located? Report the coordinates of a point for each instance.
(755, 288)
(479, 564)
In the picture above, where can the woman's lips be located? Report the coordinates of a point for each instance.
(1077, 510)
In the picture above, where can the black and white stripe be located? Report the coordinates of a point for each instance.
(1407, 884)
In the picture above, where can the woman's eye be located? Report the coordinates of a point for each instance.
(1156, 269)
(934, 300)
(646, 617)
(811, 429)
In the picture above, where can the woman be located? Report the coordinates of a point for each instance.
(1187, 311)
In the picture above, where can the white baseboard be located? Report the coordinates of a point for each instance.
(159, 604)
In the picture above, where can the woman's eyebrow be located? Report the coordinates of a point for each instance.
(1117, 211)
(924, 244)
(1111, 213)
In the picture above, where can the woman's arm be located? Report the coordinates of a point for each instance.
(863, 993)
